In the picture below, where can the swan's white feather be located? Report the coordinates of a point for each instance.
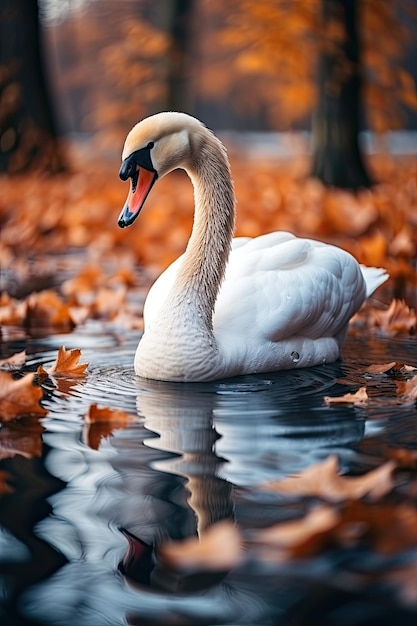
(284, 301)
(276, 302)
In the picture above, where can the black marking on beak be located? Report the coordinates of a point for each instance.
(139, 158)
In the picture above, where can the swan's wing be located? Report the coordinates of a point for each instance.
(295, 287)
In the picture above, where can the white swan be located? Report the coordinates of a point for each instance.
(228, 307)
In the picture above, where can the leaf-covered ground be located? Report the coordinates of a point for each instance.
(65, 261)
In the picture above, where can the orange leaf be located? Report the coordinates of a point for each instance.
(218, 549)
(398, 317)
(403, 457)
(360, 398)
(323, 481)
(46, 310)
(387, 528)
(298, 538)
(19, 397)
(390, 368)
(407, 389)
(66, 363)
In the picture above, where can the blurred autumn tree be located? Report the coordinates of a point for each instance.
(28, 136)
(292, 57)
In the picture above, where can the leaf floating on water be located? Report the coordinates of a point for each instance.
(101, 422)
(407, 389)
(298, 538)
(405, 458)
(66, 363)
(218, 549)
(390, 368)
(13, 362)
(360, 398)
(387, 528)
(47, 310)
(397, 318)
(19, 397)
(323, 481)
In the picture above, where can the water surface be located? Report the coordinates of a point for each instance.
(90, 502)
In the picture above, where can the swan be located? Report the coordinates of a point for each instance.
(228, 307)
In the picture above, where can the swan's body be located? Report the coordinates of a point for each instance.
(273, 302)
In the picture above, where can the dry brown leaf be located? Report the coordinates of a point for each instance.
(19, 397)
(407, 389)
(101, 422)
(403, 457)
(298, 538)
(46, 310)
(387, 528)
(12, 312)
(13, 362)
(397, 318)
(380, 369)
(66, 363)
(360, 398)
(218, 549)
(323, 481)
(108, 302)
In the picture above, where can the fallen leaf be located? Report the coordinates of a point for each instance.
(66, 363)
(218, 549)
(297, 538)
(390, 368)
(46, 310)
(19, 397)
(403, 457)
(407, 389)
(13, 362)
(386, 528)
(101, 422)
(108, 302)
(360, 398)
(397, 318)
(12, 312)
(323, 481)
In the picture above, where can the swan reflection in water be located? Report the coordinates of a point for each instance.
(242, 432)
(182, 467)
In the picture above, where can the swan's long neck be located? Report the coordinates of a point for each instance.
(208, 249)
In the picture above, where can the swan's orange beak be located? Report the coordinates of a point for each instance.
(141, 182)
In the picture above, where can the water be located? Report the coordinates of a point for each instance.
(90, 502)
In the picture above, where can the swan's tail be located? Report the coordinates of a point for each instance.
(374, 278)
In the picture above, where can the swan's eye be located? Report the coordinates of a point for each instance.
(150, 145)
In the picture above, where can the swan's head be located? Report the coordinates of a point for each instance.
(154, 147)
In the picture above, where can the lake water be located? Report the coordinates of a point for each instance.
(77, 534)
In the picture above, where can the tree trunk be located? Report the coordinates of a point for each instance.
(28, 136)
(337, 158)
(175, 18)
